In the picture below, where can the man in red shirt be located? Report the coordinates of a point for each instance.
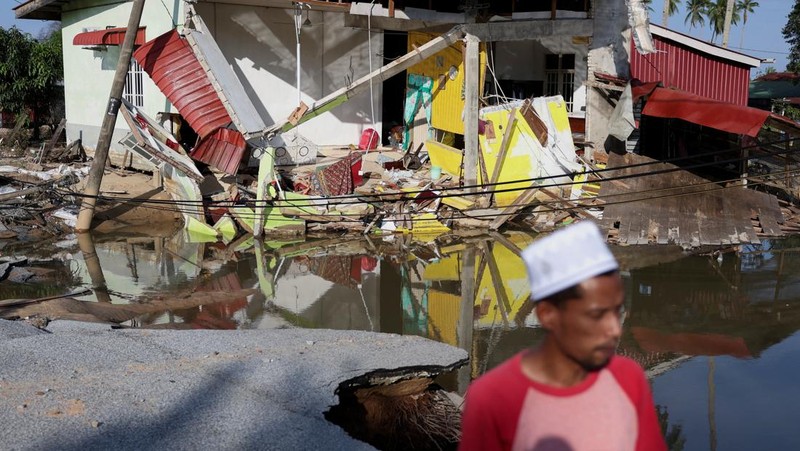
(571, 392)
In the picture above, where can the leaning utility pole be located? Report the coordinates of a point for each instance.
(109, 120)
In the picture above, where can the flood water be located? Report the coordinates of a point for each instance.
(717, 334)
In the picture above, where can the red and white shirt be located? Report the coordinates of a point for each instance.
(611, 409)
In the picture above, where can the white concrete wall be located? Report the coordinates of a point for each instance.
(609, 53)
(88, 74)
(260, 45)
(524, 60)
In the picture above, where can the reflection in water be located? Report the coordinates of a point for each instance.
(691, 320)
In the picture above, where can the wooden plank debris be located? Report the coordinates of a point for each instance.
(53, 139)
(17, 302)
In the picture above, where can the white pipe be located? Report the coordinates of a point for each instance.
(299, 98)
(298, 14)
(371, 95)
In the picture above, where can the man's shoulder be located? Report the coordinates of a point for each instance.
(498, 378)
(629, 375)
(624, 365)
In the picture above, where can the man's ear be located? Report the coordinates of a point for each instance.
(547, 314)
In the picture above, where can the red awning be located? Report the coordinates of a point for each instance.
(643, 89)
(108, 36)
(688, 343)
(673, 104)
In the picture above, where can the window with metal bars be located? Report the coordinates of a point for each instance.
(559, 72)
(134, 91)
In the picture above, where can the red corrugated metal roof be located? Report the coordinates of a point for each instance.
(741, 120)
(108, 36)
(174, 68)
(223, 149)
(691, 70)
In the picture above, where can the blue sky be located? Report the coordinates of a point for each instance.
(762, 34)
(8, 20)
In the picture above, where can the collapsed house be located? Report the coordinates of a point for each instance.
(465, 116)
(295, 81)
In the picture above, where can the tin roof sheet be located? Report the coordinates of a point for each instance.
(174, 68)
(223, 149)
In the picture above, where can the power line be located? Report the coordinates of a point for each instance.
(395, 197)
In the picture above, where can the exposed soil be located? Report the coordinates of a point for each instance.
(132, 212)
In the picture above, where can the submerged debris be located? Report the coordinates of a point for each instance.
(398, 412)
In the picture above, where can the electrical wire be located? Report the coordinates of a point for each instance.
(493, 213)
(410, 195)
(190, 207)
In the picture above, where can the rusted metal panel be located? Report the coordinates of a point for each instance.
(174, 68)
(108, 36)
(223, 149)
(687, 69)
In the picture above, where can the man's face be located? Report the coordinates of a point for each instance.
(588, 329)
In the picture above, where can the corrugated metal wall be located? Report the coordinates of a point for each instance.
(677, 66)
(448, 100)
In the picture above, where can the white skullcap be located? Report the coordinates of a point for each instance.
(565, 258)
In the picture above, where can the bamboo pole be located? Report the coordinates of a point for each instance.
(107, 129)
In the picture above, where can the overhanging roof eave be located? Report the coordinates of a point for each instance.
(39, 10)
(705, 47)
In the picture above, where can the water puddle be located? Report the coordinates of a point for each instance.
(469, 292)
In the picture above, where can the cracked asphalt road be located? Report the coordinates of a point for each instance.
(85, 386)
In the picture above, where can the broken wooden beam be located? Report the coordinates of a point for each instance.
(575, 208)
(53, 139)
(17, 302)
(521, 202)
(344, 94)
(501, 155)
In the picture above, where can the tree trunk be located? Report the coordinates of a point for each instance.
(665, 14)
(726, 30)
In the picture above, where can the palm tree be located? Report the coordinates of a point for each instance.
(745, 6)
(726, 28)
(696, 11)
(716, 17)
(670, 9)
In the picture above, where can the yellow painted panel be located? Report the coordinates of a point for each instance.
(444, 269)
(558, 111)
(443, 314)
(446, 157)
(514, 283)
(520, 162)
(425, 227)
(448, 103)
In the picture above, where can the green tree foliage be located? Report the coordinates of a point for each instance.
(696, 11)
(791, 33)
(746, 7)
(31, 71)
(673, 434)
(716, 17)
